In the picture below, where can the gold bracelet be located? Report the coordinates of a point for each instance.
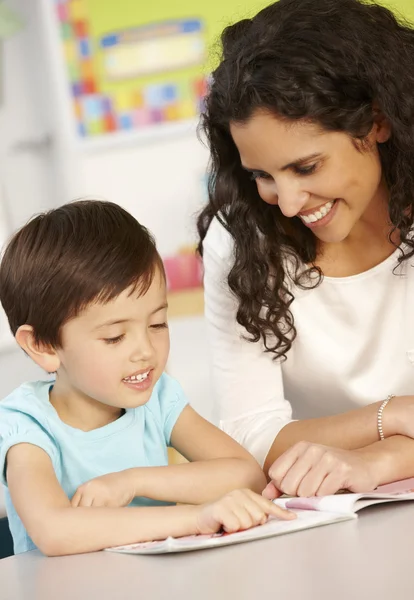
(379, 416)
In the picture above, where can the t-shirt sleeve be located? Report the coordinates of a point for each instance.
(172, 402)
(17, 428)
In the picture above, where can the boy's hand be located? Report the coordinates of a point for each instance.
(238, 510)
(112, 490)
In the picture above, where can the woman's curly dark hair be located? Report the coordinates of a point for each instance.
(329, 62)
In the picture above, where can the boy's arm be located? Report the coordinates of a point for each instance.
(220, 465)
(56, 528)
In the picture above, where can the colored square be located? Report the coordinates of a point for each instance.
(66, 30)
(82, 130)
(124, 101)
(77, 10)
(138, 99)
(156, 115)
(78, 109)
(200, 87)
(77, 89)
(110, 123)
(84, 47)
(169, 93)
(187, 109)
(95, 127)
(107, 106)
(141, 117)
(62, 13)
(87, 70)
(89, 87)
(153, 95)
(81, 29)
(73, 70)
(171, 113)
(92, 108)
(70, 51)
(125, 121)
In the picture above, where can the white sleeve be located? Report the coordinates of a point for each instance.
(248, 383)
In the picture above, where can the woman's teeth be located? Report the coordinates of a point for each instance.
(318, 214)
(137, 378)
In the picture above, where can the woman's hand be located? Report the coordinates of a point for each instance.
(314, 470)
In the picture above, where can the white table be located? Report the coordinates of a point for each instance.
(367, 559)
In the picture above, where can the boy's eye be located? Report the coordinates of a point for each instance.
(114, 340)
(159, 326)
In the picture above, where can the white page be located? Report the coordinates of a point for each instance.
(305, 520)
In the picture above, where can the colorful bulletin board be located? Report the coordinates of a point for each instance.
(133, 64)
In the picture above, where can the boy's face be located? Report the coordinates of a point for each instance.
(114, 353)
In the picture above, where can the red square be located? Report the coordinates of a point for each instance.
(89, 87)
(110, 123)
(80, 28)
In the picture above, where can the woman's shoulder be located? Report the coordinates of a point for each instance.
(218, 239)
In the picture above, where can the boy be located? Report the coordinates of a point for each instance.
(84, 291)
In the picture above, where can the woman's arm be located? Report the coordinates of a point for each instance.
(249, 385)
(349, 431)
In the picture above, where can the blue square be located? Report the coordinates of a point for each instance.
(125, 121)
(81, 130)
(170, 94)
(84, 48)
(154, 96)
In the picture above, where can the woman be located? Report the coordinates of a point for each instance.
(307, 243)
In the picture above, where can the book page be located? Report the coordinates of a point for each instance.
(348, 503)
(273, 527)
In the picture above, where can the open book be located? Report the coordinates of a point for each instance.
(311, 512)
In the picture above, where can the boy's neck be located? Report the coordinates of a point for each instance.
(80, 411)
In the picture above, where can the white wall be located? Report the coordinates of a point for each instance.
(27, 162)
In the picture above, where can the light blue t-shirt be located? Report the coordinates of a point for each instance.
(139, 438)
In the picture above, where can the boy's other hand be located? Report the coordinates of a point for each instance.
(112, 490)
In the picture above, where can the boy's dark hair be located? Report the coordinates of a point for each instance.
(64, 259)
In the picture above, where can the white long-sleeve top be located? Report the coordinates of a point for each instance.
(354, 346)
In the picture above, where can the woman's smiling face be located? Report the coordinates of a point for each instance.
(327, 179)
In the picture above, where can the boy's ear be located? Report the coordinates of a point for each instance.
(43, 355)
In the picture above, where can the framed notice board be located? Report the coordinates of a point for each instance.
(137, 65)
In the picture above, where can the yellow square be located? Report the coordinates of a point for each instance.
(77, 10)
(187, 109)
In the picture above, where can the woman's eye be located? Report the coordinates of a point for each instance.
(159, 326)
(114, 340)
(305, 170)
(254, 175)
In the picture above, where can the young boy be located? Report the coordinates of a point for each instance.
(84, 457)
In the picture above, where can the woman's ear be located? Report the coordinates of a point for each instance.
(382, 126)
(42, 354)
